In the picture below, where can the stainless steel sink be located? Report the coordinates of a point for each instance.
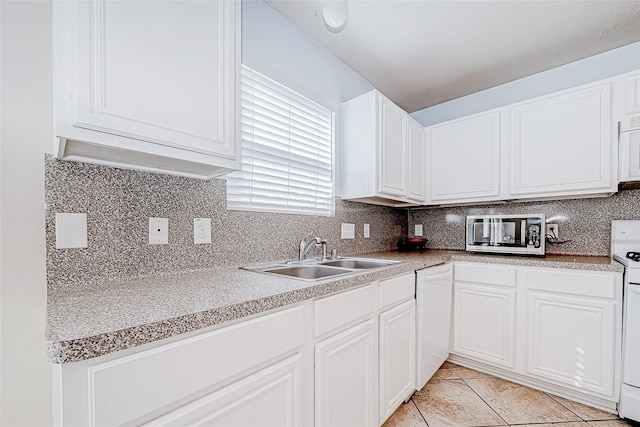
(359, 264)
(309, 272)
(315, 270)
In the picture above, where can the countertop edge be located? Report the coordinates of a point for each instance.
(79, 349)
(84, 348)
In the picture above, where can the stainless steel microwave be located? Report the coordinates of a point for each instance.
(506, 234)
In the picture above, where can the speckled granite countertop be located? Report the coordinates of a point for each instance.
(102, 319)
(578, 262)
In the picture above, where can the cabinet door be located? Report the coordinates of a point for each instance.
(147, 77)
(345, 386)
(571, 342)
(397, 357)
(484, 323)
(135, 387)
(434, 294)
(392, 149)
(416, 181)
(562, 144)
(630, 151)
(464, 159)
(270, 397)
(632, 94)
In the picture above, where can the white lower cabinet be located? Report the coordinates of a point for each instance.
(397, 342)
(397, 357)
(270, 397)
(573, 328)
(554, 329)
(204, 372)
(484, 323)
(345, 386)
(323, 362)
(484, 313)
(346, 362)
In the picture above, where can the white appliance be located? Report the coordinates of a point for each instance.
(434, 293)
(625, 248)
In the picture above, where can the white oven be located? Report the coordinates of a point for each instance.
(625, 248)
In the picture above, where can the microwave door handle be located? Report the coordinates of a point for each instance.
(523, 234)
(496, 231)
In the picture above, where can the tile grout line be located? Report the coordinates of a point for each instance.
(486, 403)
(578, 415)
(564, 406)
(580, 419)
(418, 409)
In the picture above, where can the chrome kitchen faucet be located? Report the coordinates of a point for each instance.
(305, 246)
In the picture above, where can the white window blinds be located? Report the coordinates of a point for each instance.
(287, 151)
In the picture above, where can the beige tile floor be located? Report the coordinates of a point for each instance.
(462, 397)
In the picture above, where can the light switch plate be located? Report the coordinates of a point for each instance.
(418, 230)
(367, 231)
(201, 230)
(348, 231)
(71, 230)
(158, 231)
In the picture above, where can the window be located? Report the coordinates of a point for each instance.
(287, 151)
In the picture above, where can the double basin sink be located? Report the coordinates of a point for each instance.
(315, 270)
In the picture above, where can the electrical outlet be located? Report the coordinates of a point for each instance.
(418, 230)
(552, 231)
(158, 231)
(348, 231)
(71, 230)
(367, 231)
(201, 230)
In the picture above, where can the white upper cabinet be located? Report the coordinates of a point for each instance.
(563, 144)
(382, 156)
(463, 159)
(393, 148)
(632, 94)
(629, 146)
(148, 85)
(416, 149)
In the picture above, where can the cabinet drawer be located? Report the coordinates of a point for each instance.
(337, 310)
(123, 390)
(397, 289)
(577, 283)
(270, 397)
(485, 273)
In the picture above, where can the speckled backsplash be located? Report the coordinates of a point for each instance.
(119, 202)
(586, 223)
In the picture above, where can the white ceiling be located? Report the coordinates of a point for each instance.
(422, 53)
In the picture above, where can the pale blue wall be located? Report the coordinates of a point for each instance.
(277, 45)
(281, 50)
(607, 64)
(273, 41)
